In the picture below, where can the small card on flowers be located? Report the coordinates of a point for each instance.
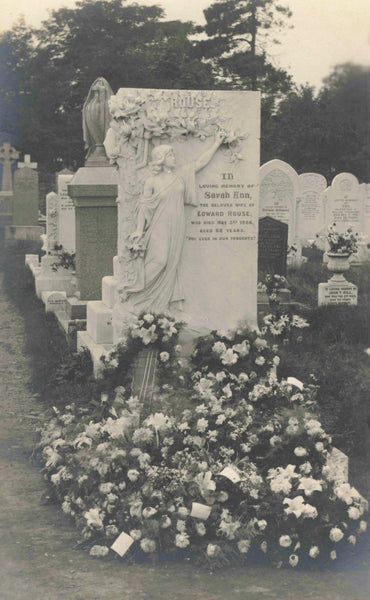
(295, 382)
(200, 511)
(122, 543)
(231, 474)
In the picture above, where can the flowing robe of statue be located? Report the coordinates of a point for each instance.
(157, 285)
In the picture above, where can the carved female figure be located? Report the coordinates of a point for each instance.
(160, 229)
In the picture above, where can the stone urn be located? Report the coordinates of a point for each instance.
(338, 263)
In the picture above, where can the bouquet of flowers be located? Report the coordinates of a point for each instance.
(342, 243)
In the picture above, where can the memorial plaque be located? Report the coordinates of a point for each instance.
(206, 247)
(279, 193)
(272, 246)
(344, 205)
(310, 205)
(67, 219)
(337, 293)
(25, 197)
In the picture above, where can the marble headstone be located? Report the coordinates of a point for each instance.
(66, 217)
(52, 205)
(344, 205)
(25, 197)
(218, 261)
(279, 193)
(310, 205)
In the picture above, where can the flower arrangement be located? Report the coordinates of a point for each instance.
(65, 260)
(241, 474)
(342, 243)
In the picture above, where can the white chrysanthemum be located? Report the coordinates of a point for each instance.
(213, 550)
(94, 518)
(182, 540)
(164, 356)
(314, 552)
(219, 348)
(148, 545)
(354, 513)
(229, 357)
(285, 541)
(99, 550)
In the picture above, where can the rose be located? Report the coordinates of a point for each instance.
(148, 545)
(300, 451)
(164, 356)
(213, 550)
(148, 512)
(293, 560)
(336, 534)
(285, 541)
(133, 474)
(243, 546)
(314, 552)
(354, 513)
(165, 522)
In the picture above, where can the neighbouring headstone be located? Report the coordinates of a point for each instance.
(27, 163)
(279, 194)
(337, 290)
(26, 197)
(272, 246)
(344, 203)
(8, 156)
(66, 216)
(365, 189)
(52, 216)
(310, 205)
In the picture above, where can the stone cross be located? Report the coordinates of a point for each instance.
(8, 155)
(27, 163)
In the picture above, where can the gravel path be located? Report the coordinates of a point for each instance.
(38, 555)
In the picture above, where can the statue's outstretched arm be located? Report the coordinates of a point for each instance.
(205, 158)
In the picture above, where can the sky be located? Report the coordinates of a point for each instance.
(325, 32)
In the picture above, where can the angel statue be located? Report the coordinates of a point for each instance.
(160, 231)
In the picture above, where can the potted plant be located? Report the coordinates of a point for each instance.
(341, 246)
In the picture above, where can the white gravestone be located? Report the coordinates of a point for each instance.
(67, 219)
(279, 194)
(310, 205)
(198, 207)
(344, 205)
(52, 217)
(365, 190)
(205, 225)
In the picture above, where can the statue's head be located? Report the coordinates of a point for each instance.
(160, 155)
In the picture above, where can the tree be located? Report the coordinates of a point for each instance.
(236, 46)
(53, 67)
(328, 132)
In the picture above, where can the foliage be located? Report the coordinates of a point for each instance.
(342, 243)
(49, 70)
(242, 473)
(65, 260)
(324, 132)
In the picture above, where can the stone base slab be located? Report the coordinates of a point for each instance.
(32, 259)
(24, 232)
(84, 340)
(76, 308)
(337, 293)
(99, 322)
(52, 283)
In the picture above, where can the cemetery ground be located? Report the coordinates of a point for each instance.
(40, 554)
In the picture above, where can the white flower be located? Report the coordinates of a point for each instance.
(99, 550)
(148, 318)
(229, 357)
(333, 555)
(362, 526)
(352, 539)
(295, 506)
(345, 492)
(243, 546)
(276, 361)
(66, 507)
(220, 376)
(105, 488)
(260, 344)
(243, 377)
(182, 540)
(262, 524)
(285, 541)
(213, 550)
(219, 348)
(181, 525)
(319, 446)
(264, 546)
(227, 391)
(148, 512)
(223, 496)
(201, 529)
(300, 451)
(164, 356)
(260, 361)
(309, 485)
(354, 513)
(305, 468)
(314, 552)
(202, 425)
(111, 531)
(336, 534)
(94, 518)
(183, 512)
(148, 545)
(136, 534)
(293, 560)
(280, 484)
(142, 435)
(133, 474)
(275, 440)
(242, 349)
(313, 427)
